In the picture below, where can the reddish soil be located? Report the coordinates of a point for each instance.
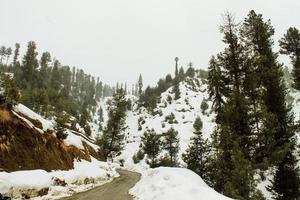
(24, 148)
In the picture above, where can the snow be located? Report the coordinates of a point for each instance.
(28, 122)
(100, 172)
(160, 183)
(73, 140)
(186, 109)
(173, 183)
(31, 114)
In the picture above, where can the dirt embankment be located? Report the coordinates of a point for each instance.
(24, 148)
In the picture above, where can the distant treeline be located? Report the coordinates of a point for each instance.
(48, 87)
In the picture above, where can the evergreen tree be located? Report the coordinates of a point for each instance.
(290, 45)
(111, 141)
(8, 53)
(196, 155)
(216, 86)
(190, 71)
(258, 35)
(30, 65)
(176, 66)
(2, 54)
(151, 146)
(140, 84)
(181, 74)
(62, 120)
(171, 145)
(176, 91)
(10, 95)
(43, 75)
(286, 182)
(16, 54)
(232, 140)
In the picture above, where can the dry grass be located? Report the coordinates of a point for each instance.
(4, 115)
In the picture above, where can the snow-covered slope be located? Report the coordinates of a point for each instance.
(36, 137)
(193, 91)
(173, 183)
(55, 184)
(73, 139)
(185, 109)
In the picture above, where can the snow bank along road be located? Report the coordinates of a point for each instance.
(116, 189)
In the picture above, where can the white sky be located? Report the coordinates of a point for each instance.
(118, 39)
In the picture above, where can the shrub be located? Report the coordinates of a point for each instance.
(170, 118)
(87, 130)
(165, 161)
(137, 157)
(204, 106)
(61, 134)
(4, 116)
(169, 99)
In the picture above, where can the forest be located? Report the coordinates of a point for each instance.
(255, 127)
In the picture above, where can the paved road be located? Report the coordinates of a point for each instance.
(114, 190)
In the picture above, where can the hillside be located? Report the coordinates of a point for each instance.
(37, 163)
(193, 91)
(30, 143)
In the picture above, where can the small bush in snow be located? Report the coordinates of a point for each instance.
(169, 99)
(87, 130)
(137, 157)
(60, 134)
(165, 161)
(204, 106)
(170, 118)
(158, 112)
(186, 101)
(141, 121)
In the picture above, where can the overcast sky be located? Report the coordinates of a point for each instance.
(118, 39)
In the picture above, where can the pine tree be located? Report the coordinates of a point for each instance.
(10, 95)
(190, 71)
(176, 66)
(216, 86)
(30, 65)
(181, 74)
(232, 140)
(290, 45)
(56, 76)
(111, 141)
(171, 145)
(286, 182)
(196, 155)
(176, 91)
(8, 53)
(258, 36)
(16, 64)
(43, 75)
(151, 146)
(140, 84)
(2, 54)
(16, 54)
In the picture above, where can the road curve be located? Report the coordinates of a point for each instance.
(114, 190)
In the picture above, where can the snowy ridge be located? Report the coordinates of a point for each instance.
(173, 183)
(47, 124)
(73, 139)
(185, 109)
